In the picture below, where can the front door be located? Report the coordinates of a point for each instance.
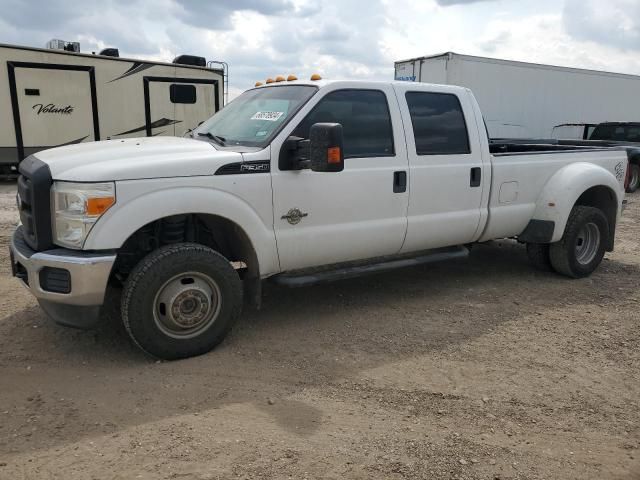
(359, 213)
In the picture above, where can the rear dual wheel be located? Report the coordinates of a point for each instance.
(538, 254)
(581, 248)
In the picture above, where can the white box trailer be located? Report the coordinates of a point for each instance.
(526, 100)
(51, 98)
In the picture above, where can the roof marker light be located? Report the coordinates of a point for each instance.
(270, 80)
(291, 78)
(279, 78)
(315, 77)
(258, 84)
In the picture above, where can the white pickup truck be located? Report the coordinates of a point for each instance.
(298, 182)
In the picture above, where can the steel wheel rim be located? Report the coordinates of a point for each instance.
(186, 305)
(587, 243)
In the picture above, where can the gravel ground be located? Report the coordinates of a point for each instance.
(474, 369)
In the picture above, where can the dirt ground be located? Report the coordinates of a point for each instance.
(474, 369)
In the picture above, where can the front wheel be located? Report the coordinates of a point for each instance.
(181, 300)
(634, 177)
(582, 246)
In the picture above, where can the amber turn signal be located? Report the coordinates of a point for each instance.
(333, 155)
(97, 206)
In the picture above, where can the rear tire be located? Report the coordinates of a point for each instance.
(181, 300)
(538, 254)
(583, 244)
(634, 177)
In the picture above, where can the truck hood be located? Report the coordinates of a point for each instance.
(135, 158)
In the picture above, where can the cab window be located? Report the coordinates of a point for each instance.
(438, 123)
(365, 119)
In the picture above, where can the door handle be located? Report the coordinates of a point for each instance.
(475, 178)
(399, 182)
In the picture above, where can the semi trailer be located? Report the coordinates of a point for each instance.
(527, 100)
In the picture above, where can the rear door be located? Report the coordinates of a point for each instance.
(447, 174)
(53, 105)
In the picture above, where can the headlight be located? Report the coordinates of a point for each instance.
(76, 207)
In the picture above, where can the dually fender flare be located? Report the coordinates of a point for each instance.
(122, 220)
(563, 190)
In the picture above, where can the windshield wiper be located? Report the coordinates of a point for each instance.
(219, 140)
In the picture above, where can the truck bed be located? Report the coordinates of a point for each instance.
(498, 146)
(520, 169)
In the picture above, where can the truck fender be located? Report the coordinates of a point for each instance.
(559, 196)
(123, 219)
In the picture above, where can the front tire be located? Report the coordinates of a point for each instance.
(181, 300)
(634, 177)
(582, 246)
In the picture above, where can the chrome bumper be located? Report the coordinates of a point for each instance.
(88, 272)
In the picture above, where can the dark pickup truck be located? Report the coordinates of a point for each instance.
(614, 134)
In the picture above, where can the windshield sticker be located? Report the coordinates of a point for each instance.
(269, 116)
(262, 133)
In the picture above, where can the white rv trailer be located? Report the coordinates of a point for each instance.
(50, 98)
(526, 100)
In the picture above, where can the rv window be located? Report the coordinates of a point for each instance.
(182, 93)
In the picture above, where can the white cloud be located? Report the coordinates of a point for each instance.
(543, 39)
(615, 23)
(337, 38)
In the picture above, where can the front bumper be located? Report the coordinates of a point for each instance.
(69, 284)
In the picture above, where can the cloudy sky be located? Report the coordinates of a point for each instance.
(337, 38)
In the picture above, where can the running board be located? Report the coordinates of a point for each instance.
(305, 278)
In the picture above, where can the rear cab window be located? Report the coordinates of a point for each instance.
(365, 119)
(438, 122)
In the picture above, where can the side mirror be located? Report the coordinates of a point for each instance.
(325, 147)
(292, 154)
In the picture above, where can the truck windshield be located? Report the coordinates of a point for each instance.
(256, 116)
